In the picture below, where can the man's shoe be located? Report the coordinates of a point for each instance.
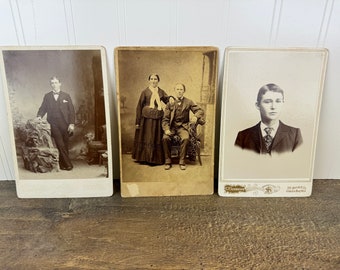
(167, 166)
(182, 167)
(66, 168)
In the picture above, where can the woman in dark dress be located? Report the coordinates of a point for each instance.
(149, 112)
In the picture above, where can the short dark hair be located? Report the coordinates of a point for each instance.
(268, 87)
(54, 78)
(182, 85)
(154, 75)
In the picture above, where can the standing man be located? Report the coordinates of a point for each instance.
(176, 122)
(61, 116)
(270, 135)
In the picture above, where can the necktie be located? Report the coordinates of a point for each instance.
(268, 139)
(55, 95)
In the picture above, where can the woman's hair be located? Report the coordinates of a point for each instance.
(154, 74)
(268, 87)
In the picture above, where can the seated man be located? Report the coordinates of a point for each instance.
(176, 122)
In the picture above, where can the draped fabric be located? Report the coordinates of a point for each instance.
(155, 99)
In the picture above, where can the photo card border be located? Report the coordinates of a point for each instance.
(66, 187)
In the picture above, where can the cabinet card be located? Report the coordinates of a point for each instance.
(58, 114)
(269, 124)
(167, 119)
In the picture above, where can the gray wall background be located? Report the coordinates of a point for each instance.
(28, 76)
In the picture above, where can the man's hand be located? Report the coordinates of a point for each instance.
(194, 119)
(70, 128)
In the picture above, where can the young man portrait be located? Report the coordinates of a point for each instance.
(270, 135)
(61, 115)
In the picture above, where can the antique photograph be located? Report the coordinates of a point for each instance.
(167, 119)
(260, 138)
(269, 121)
(59, 114)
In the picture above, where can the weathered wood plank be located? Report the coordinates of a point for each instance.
(194, 232)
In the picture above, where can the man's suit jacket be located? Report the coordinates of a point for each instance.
(64, 103)
(187, 106)
(286, 139)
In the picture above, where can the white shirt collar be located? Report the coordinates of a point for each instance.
(274, 127)
(56, 95)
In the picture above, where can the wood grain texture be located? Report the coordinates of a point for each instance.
(195, 232)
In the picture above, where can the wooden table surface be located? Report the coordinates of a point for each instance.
(194, 232)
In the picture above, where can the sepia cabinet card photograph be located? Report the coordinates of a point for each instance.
(166, 106)
(269, 125)
(59, 120)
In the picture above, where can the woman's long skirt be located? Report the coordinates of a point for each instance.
(148, 146)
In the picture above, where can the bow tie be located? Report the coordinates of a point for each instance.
(56, 93)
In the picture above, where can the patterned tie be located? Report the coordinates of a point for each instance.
(268, 139)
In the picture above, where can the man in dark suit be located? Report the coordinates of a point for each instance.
(61, 116)
(176, 121)
(270, 135)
